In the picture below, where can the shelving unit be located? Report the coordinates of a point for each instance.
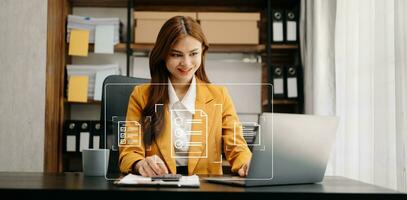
(89, 102)
(57, 58)
(222, 48)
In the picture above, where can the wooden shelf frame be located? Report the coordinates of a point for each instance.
(185, 5)
(57, 58)
(214, 48)
(89, 102)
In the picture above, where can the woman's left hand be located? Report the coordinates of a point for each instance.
(243, 171)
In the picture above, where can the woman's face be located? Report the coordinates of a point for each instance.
(184, 59)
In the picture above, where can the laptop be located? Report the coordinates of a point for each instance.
(292, 149)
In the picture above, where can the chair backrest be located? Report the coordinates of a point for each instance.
(115, 99)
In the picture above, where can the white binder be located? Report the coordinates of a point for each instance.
(292, 82)
(291, 26)
(278, 81)
(278, 30)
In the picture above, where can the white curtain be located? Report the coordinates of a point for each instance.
(401, 91)
(360, 77)
(318, 55)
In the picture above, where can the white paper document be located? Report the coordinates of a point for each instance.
(185, 181)
(104, 39)
(100, 77)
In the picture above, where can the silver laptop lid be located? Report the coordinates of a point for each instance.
(294, 148)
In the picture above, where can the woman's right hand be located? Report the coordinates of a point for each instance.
(151, 166)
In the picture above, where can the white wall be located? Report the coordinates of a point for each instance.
(23, 37)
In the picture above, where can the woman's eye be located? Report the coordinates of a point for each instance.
(194, 53)
(176, 55)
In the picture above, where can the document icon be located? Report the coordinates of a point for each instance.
(250, 131)
(129, 134)
(189, 142)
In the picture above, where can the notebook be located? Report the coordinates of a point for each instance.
(137, 180)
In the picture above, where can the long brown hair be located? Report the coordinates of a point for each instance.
(173, 29)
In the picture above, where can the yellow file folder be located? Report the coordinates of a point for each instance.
(79, 43)
(78, 88)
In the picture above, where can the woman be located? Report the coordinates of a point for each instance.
(185, 121)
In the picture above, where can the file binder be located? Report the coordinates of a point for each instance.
(84, 135)
(70, 139)
(278, 82)
(79, 135)
(292, 81)
(96, 135)
(291, 26)
(278, 27)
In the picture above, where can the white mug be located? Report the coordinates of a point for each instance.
(95, 162)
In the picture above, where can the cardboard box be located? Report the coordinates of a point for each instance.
(230, 28)
(148, 24)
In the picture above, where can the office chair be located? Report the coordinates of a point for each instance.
(115, 99)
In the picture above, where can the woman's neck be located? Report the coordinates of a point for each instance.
(180, 88)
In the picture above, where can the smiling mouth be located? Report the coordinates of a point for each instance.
(184, 70)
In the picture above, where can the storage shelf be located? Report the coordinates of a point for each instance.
(175, 4)
(185, 5)
(214, 48)
(90, 102)
(99, 3)
(284, 102)
(284, 46)
(178, 5)
(120, 47)
(217, 48)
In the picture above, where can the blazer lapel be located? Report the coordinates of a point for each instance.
(200, 126)
(164, 142)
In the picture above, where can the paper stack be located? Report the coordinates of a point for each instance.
(96, 75)
(90, 23)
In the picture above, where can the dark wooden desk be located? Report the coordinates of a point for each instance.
(75, 184)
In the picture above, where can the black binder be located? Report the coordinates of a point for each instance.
(278, 82)
(291, 26)
(71, 137)
(96, 135)
(278, 26)
(84, 135)
(292, 81)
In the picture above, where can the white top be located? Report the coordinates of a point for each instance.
(181, 113)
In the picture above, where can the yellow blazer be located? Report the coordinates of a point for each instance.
(223, 132)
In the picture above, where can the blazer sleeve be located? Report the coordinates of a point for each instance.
(129, 155)
(234, 145)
